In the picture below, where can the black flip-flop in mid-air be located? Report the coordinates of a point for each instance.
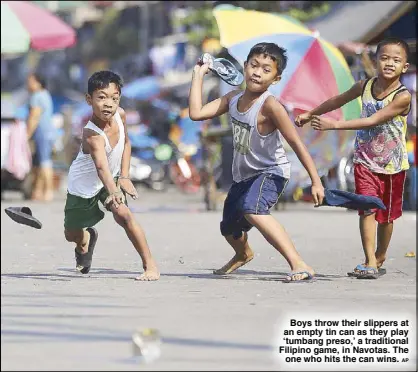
(23, 215)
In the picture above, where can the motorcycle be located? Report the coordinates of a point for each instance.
(187, 155)
(145, 167)
(345, 174)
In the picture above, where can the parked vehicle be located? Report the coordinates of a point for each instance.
(145, 167)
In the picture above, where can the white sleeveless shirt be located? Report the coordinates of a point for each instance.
(254, 153)
(83, 180)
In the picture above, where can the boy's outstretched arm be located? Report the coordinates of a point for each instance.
(331, 104)
(277, 113)
(399, 106)
(96, 144)
(212, 109)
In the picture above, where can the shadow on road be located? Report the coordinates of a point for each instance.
(249, 275)
(129, 275)
(125, 338)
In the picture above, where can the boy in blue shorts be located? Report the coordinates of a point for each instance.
(260, 167)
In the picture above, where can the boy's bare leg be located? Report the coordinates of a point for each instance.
(80, 237)
(368, 238)
(48, 176)
(123, 216)
(243, 254)
(37, 184)
(384, 234)
(277, 236)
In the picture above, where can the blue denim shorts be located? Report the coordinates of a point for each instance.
(42, 156)
(253, 196)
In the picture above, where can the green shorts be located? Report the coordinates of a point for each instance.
(84, 212)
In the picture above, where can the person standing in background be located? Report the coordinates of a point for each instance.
(40, 129)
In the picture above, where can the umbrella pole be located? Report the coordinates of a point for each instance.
(143, 8)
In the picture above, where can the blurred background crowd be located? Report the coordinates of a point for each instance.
(154, 45)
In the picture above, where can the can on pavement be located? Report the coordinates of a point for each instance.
(146, 344)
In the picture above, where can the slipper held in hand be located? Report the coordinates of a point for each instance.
(223, 68)
(350, 200)
(23, 215)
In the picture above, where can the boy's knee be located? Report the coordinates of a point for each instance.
(122, 215)
(73, 235)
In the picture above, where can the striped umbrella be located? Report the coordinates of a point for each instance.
(316, 71)
(25, 25)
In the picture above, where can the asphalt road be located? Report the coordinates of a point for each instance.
(53, 318)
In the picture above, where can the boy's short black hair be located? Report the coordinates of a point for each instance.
(394, 40)
(40, 79)
(276, 53)
(102, 79)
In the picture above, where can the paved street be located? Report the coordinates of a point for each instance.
(55, 319)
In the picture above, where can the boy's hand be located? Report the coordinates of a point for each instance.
(318, 194)
(127, 186)
(321, 123)
(201, 69)
(302, 119)
(115, 199)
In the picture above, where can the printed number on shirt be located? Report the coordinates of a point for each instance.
(241, 134)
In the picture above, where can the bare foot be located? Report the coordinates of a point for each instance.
(49, 195)
(36, 197)
(300, 273)
(236, 262)
(150, 274)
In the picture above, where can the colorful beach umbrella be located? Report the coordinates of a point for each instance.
(316, 70)
(25, 25)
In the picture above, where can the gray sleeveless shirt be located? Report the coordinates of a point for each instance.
(253, 153)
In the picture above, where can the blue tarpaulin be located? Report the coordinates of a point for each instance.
(142, 89)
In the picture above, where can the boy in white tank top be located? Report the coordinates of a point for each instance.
(100, 172)
(260, 166)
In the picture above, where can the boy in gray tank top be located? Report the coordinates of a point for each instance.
(260, 167)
